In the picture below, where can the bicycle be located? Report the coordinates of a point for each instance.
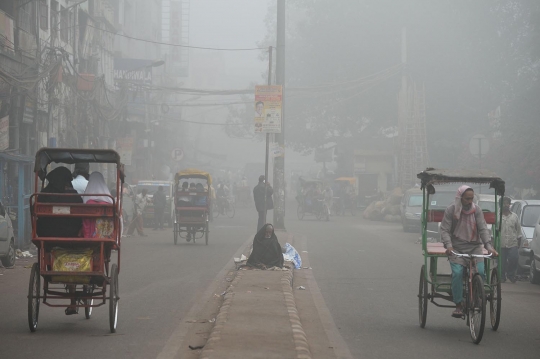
(475, 297)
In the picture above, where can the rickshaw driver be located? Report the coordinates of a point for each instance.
(463, 224)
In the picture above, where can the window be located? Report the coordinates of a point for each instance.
(44, 14)
(530, 216)
(415, 201)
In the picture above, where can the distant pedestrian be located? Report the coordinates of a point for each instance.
(160, 202)
(259, 196)
(510, 241)
(141, 201)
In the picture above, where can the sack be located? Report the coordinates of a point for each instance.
(292, 255)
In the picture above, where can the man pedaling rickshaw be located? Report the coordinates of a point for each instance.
(464, 230)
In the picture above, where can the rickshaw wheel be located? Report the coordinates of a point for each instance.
(422, 299)
(175, 231)
(33, 297)
(113, 298)
(88, 290)
(495, 300)
(206, 233)
(300, 212)
(477, 309)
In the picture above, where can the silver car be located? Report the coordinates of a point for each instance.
(528, 212)
(7, 239)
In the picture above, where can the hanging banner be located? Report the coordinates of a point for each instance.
(4, 133)
(124, 147)
(268, 102)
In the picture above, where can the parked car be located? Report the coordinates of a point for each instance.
(525, 210)
(411, 210)
(528, 212)
(534, 249)
(152, 187)
(7, 239)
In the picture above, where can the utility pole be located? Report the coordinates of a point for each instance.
(279, 162)
(267, 134)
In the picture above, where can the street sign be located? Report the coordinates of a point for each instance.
(177, 154)
(479, 146)
(268, 100)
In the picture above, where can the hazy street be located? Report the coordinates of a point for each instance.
(367, 273)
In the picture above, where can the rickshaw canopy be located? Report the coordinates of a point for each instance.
(193, 173)
(351, 180)
(432, 176)
(46, 156)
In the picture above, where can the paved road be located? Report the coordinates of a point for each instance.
(367, 273)
(159, 283)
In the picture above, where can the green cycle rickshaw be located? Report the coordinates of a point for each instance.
(435, 286)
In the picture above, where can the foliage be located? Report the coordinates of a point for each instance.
(472, 56)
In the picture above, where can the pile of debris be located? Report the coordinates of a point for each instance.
(386, 210)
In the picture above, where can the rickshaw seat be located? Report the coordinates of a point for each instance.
(437, 215)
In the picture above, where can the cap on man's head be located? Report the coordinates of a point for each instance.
(261, 178)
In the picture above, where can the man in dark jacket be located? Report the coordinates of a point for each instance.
(160, 202)
(259, 197)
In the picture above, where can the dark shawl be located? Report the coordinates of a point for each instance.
(266, 251)
(58, 179)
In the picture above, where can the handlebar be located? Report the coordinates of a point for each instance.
(473, 255)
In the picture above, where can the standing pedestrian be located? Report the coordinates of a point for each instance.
(160, 202)
(510, 241)
(141, 200)
(258, 196)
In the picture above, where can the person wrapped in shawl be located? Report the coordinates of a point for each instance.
(59, 181)
(98, 188)
(464, 230)
(266, 251)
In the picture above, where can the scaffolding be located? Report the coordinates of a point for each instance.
(413, 156)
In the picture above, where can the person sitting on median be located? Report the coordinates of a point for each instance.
(266, 252)
(96, 186)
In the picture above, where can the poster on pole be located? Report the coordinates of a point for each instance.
(124, 147)
(268, 101)
(4, 133)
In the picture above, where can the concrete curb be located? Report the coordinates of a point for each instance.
(299, 336)
(221, 319)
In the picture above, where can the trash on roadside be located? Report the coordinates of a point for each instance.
(241, 259)
(292, 255)
(196, 347)
(211, 320)
(301, 287)
(307, 268)
(304, 251)
(222, 294)
(266, 287)
(21, 254)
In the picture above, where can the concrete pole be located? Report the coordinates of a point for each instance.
(279, 162)
(267, 134)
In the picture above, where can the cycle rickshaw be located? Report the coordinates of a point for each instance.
(76, 269)
(192, 205)
(347, 187)
(436, 286)
(311, 201)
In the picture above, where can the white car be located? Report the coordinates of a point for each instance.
(534, 248)
(7, 239)
(528, 212)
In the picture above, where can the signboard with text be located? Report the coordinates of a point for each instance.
(268, 101)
